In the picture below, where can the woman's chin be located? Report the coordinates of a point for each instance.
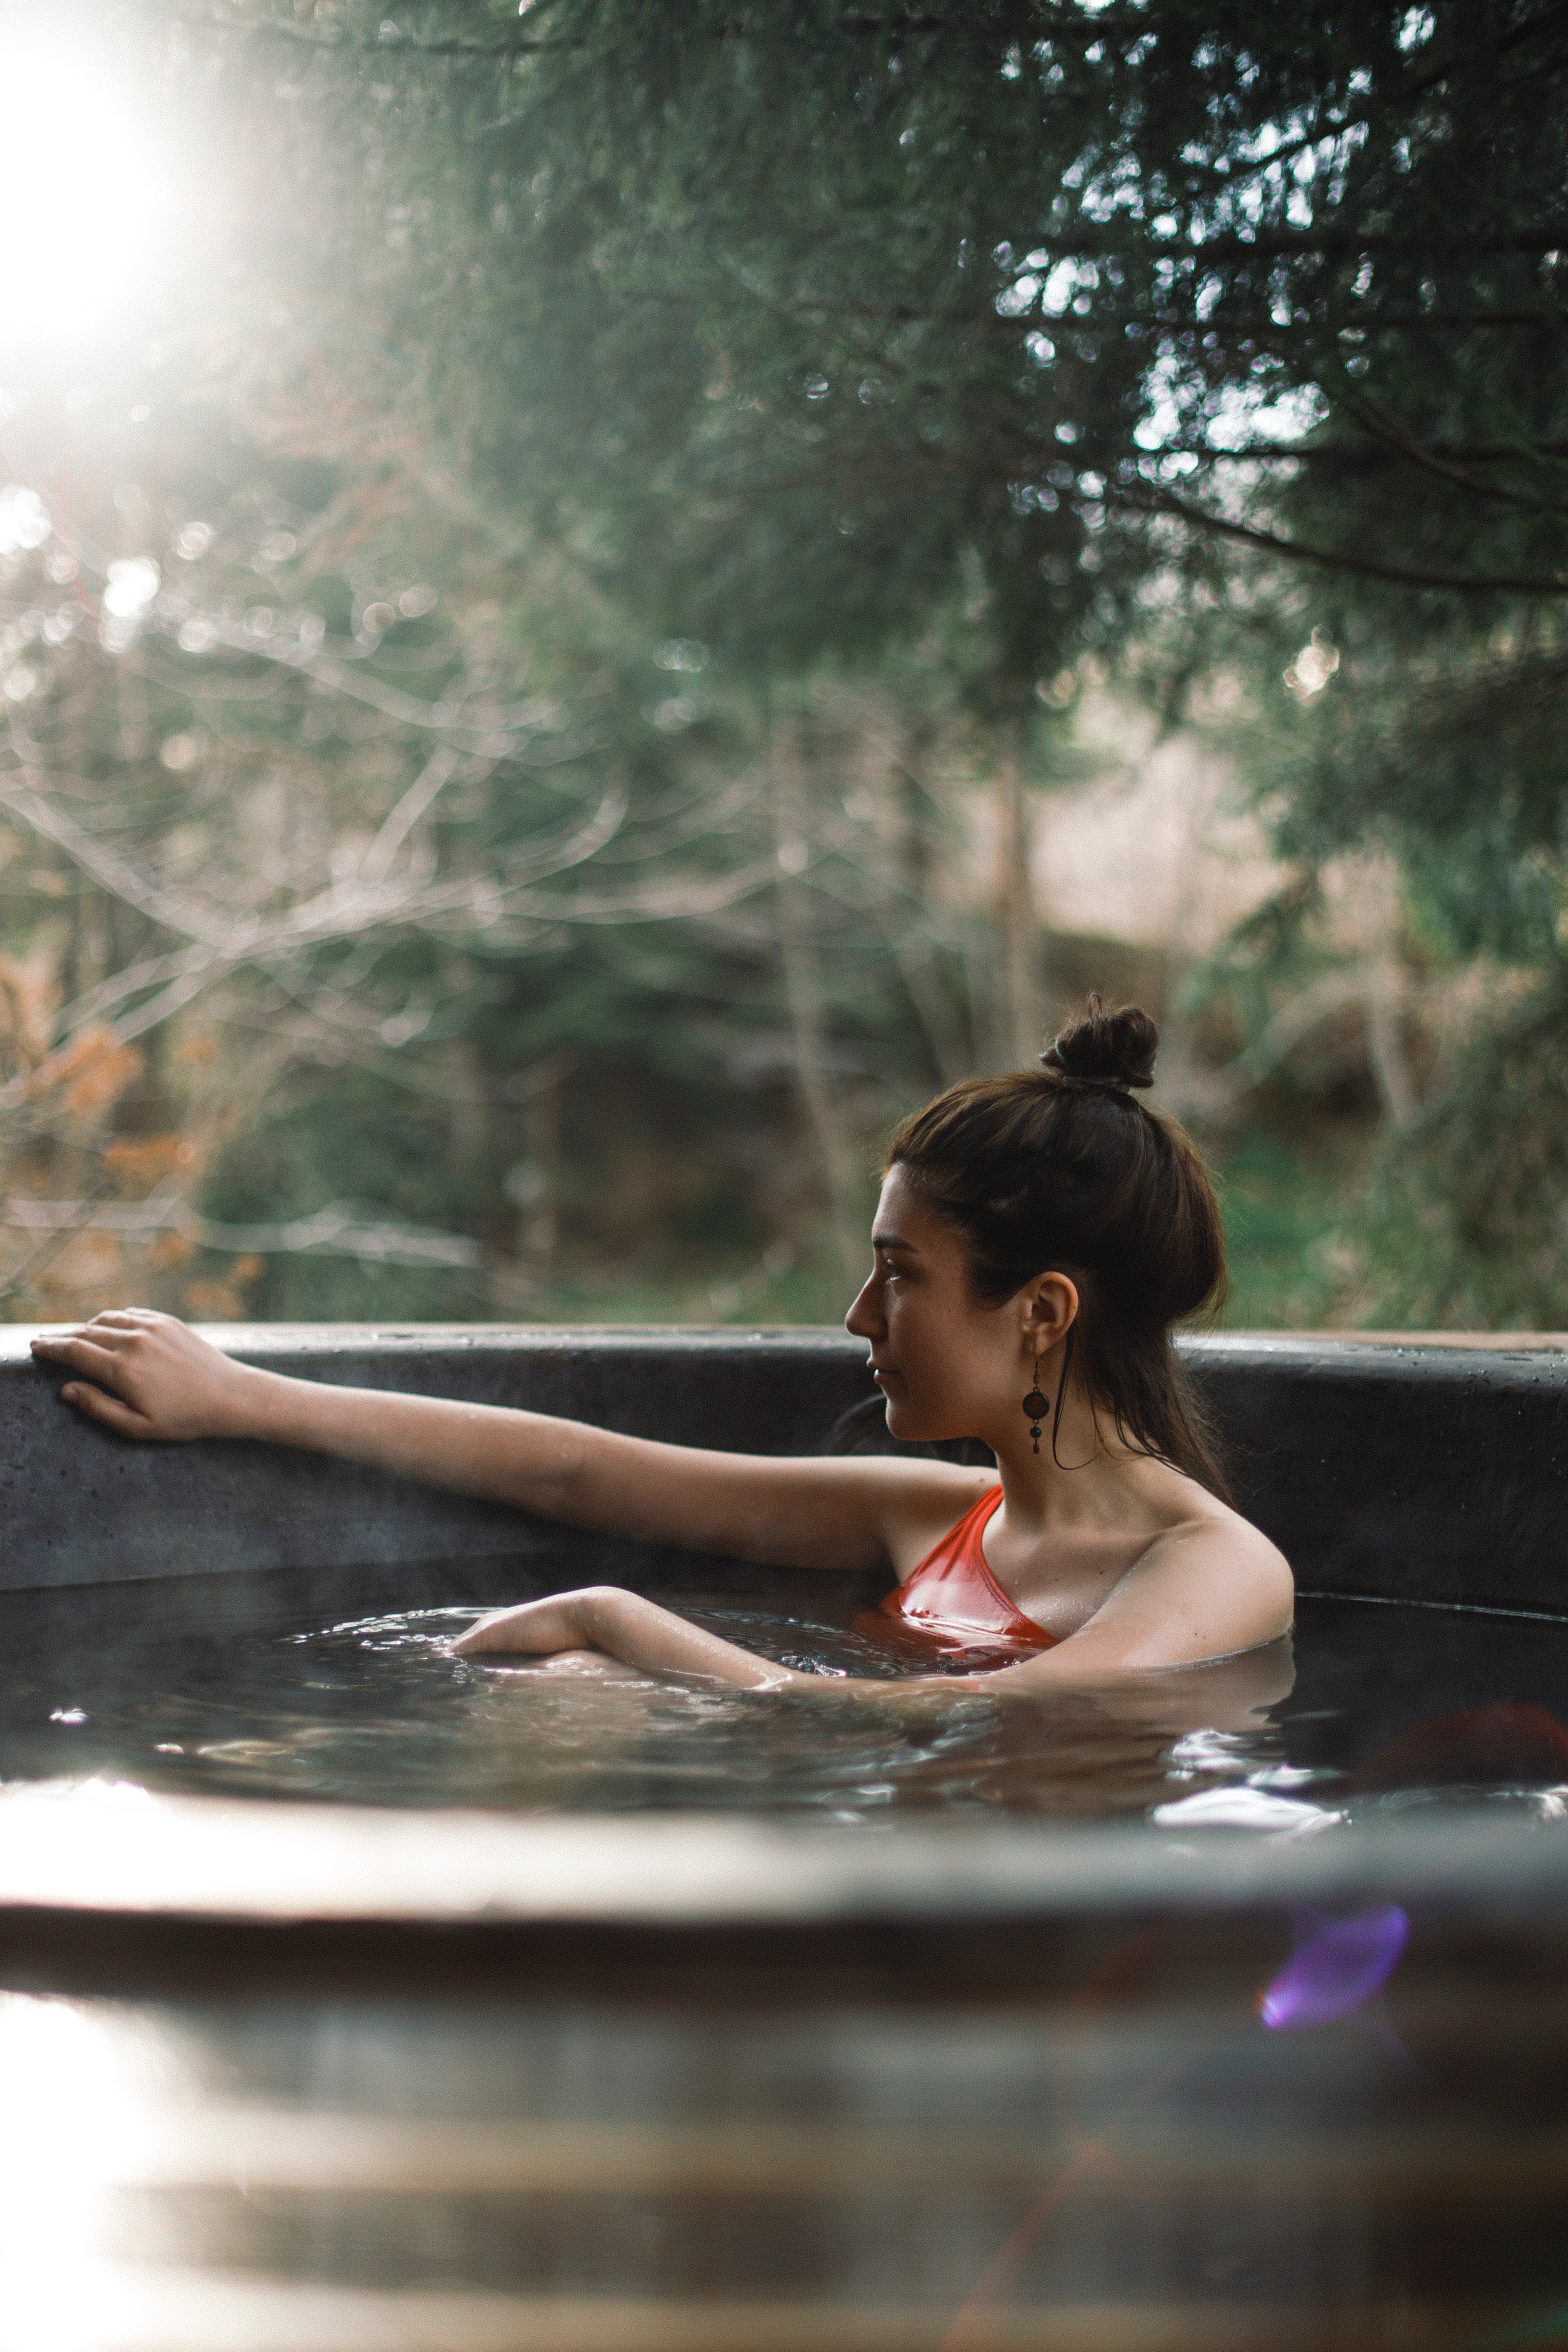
(910, 1426)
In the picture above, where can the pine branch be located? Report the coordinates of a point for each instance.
(1554, 321)
(1280, 241)
(1163, 501)
(1416, 87)
(1387, 431)
(519, 44)
(1355, 458)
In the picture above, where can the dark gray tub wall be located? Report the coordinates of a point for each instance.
(90, 1517)
(83, 1507)
(1384, 1470)
(1401, 1471)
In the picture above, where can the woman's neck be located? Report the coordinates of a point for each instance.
(1084, 1469)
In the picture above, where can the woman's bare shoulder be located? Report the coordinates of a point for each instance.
(1192, 1513)
(1234, 1566)
(1206, 1586)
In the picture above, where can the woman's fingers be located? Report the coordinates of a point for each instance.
(505, 1629)
(99, 1405)
(108, 1331)
(60, 1350)
(178, 1383)
(95, 1395)
(49, 1343)
(490, 1634)
(80, 1356)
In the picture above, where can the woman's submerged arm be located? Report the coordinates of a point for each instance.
(150, 1376)
(1201, 1593)
(625, 1626)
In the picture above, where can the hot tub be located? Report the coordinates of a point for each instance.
(713, 2064)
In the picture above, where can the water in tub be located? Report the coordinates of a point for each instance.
(238, 1687)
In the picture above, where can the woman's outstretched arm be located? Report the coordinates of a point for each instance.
(150, 1376)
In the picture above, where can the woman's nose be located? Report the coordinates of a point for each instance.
(863, 1321)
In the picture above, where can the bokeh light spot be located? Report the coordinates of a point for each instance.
(23, 522)
(132, 584)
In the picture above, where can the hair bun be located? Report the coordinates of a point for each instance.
(1106, 1049)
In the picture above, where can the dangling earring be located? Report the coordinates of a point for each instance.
(1036, 1406)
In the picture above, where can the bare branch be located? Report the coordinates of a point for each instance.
(1213, 1092)
(495, 735)
(338, 1231)
(61, 1231)
(438, 771)
(111, 871)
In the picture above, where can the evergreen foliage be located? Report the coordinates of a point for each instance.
(744, 383)
(1008, 278)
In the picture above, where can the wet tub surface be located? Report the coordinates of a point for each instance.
(261, 1687)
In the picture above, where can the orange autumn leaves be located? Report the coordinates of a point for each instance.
(72, 1137)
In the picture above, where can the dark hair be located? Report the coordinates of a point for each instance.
(1063, 1170)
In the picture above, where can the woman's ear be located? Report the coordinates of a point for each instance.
(1050, 1309)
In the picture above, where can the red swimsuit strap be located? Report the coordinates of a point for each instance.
(963, 1544)
(955, 1572)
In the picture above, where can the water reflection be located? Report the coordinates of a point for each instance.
(1513, 1741)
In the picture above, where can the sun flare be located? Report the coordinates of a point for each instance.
(82, 189)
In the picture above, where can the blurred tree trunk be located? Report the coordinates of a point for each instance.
(468, 1117)
(1384, 995)
(802, 998)
(911, 923)
(540, 1224)
(1019, 1010)
(909, 755)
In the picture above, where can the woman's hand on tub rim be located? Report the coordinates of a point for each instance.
(149, 1375)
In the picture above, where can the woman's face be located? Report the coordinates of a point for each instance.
(947, 1364)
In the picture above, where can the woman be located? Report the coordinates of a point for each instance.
(1036, 1237)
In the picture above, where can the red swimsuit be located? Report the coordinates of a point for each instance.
(952, 1601)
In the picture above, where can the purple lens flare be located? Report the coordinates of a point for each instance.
(1336, 1971)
